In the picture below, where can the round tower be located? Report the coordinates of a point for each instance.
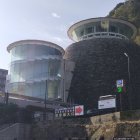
(36, 69)
(100, 59)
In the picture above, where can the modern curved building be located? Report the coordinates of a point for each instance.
(99, 55)
(36, 69)
(102, 28)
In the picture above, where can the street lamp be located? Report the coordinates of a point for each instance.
(46, 92)
(128, 68)
(128, 65)
(60, 86)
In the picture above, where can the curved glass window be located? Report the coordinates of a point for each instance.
(121, 29)
(113, 29)
(81, 33)
(34, 71)
(37, 89)
(31, 51)
(89, 30)
(99, 28)
(92, 29)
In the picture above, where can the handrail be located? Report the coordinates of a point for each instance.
(103, 35)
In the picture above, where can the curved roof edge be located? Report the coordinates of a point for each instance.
(39, 42)
(86, 21)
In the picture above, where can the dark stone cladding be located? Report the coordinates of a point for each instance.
(98, 64)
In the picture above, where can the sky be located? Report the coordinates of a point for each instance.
(46, 20)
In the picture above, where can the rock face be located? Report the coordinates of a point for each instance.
(98, 64)
(129, 11)
(60, 130)
(109, 126)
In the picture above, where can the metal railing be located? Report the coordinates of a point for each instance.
(103, 35)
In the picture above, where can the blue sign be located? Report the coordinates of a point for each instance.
(119, 83)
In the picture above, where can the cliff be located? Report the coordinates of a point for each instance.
(130, 11)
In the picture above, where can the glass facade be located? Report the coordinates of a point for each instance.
(36, 69)
(99, 28)
(3, 74)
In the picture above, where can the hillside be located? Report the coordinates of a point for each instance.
(129, 10)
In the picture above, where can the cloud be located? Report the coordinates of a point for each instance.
(58, 39)
(55, 15)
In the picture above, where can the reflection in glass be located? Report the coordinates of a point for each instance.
(35, 68)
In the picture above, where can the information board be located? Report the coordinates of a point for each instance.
(120, 83)
(107, 103)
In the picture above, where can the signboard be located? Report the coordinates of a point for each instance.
(119, 89)
(79, 110)
(64, 112)
(70, 111)
(119, 83)
(107, 103)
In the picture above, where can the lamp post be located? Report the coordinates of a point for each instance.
(128, 69)
(60, 87)
(6, 97)
(46, 91)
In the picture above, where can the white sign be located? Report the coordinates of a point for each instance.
(79, 110)
(107, 103)
(119, 83)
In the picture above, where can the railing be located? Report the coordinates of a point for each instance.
(103, 35)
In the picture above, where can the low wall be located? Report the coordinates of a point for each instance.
(16, 131)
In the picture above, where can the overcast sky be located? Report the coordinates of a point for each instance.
(45, 20)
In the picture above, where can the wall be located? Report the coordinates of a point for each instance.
(69, 68)
(19, 131)
(98, 64)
